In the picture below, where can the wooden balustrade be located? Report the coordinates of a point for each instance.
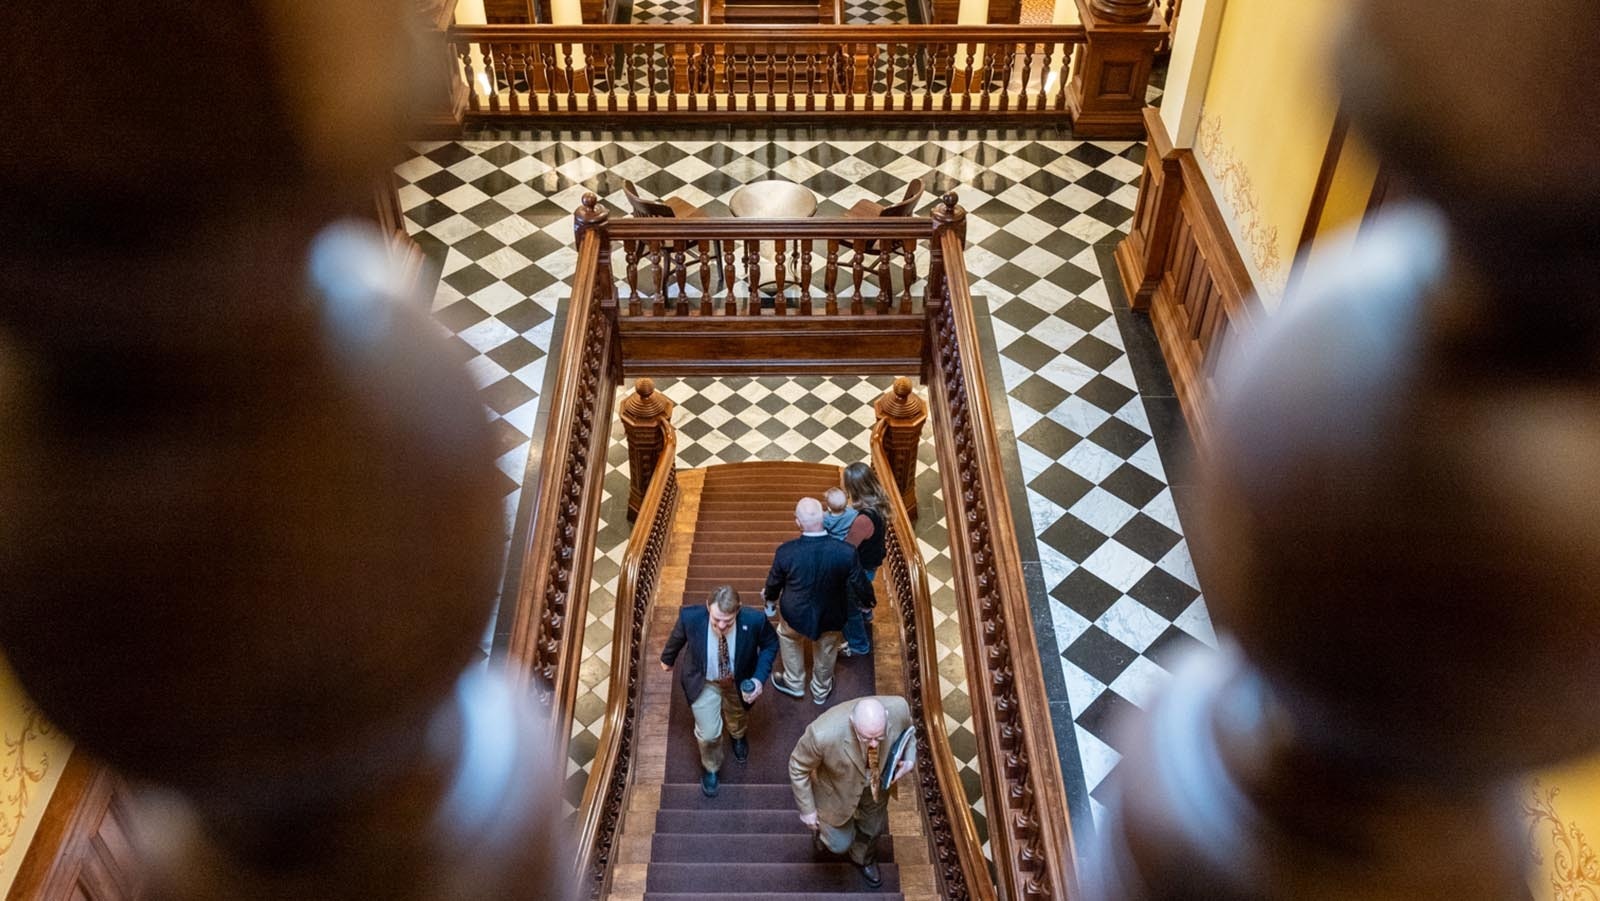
(546, 637)
(1028, 830)
(696, 73)
(834, 317)
(604, 794)
(953, 839)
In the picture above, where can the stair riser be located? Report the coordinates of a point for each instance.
(744, 849)
(753, 878)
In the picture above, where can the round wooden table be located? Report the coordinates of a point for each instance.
(773, 199)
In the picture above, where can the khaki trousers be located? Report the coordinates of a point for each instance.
(716, 704)
(857, 835)
(824, 654)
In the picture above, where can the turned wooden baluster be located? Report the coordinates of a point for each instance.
(966, 86)
(780, 300)
(671, 62)
(804, 252)
(789, 58)
(643, 413)
(906, 413)
(658, 280)
(830, 279)
(630, 255)
(857, 273)
(1026, 50)
(680, 272)
(886, 274)
(548, 69)
(630, 62)
(730, 278)
(752, 268)
(706, 258)
(909, 250)
(1069, 53)
(465, 52)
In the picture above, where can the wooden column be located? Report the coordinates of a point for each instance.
(1108, 89)
(643, 413)
(906, 413)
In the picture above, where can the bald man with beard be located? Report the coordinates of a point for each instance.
(836, 771)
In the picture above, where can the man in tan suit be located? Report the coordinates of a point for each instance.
(836, 772)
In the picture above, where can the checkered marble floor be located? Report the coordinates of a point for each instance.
(495, 216)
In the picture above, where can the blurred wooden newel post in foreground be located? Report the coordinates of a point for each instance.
(643, 413)
(905, 414)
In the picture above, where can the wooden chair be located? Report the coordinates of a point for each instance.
(676, 256)
(882, 251)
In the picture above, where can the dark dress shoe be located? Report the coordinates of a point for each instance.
(871, 873)
(741, 749)
(708, 785)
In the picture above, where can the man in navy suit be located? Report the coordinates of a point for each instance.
(727, 646)
(807, 584)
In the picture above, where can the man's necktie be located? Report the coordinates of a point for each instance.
(724, 668)
(872, 769)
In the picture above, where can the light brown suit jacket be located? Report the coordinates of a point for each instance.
(828, 768)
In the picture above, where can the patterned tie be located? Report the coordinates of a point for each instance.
(724, 668)
(872, 769)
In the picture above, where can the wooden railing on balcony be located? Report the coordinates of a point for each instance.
(953, 839)
(832, 318)
(604, 794)
(1028, 831)
(700, 73)
(547, 621)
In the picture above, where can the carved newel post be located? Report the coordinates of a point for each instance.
(1397, 538)
(643, 413)
(1108, 83)
(904, 414)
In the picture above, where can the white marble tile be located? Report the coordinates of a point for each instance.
(1133, 624)
(1120, 567)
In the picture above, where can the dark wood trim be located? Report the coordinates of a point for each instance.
(1030, 835)
(1326, 172)
(953, 843)
(82, 849)
(600, 811)
(1141, 255)
(1183, 258)
(875, 344)
(1379, 196)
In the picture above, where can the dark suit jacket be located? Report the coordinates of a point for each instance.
(808, 576)
(753, 651)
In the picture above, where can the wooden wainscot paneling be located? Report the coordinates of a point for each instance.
(1179, 263)
(84, 849)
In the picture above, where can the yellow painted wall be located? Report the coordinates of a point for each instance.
(32, 756)
(1563, 811)
(1264, 127)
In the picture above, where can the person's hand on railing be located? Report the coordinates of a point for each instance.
(810, 819)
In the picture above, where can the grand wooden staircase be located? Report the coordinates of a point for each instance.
(748, 841)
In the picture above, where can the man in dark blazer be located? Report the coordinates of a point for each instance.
(807, 581)
(727, 646)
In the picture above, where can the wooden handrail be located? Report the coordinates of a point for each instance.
(547, 621)
(749, 34)
(604, 793)
(1029, 834)
(711, 229)
(953, 838)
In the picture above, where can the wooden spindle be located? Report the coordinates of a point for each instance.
(630, 62)
(1069, 53)
(830, 279)
(780, 301)
(909, 249)
(1027, 72)
(705, 278)
(857, 272)
(885, 274)
(966, 87)
(770, 77)
(804, 251)
(630, 254)
(671, 62)
(547, 68)
(752, 268)
(789, 58)
(465, 52)
(730, 303)
(658, 300)
(680, 274)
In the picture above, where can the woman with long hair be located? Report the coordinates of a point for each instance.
(866, 535)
